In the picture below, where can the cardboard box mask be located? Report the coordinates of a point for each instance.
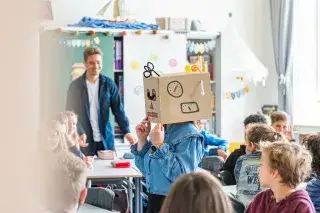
(177, 97)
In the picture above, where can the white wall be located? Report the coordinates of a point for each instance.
(251, 17)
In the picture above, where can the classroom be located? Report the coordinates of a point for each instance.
(165, 106)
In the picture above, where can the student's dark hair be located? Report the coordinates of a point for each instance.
(198, 192)
(312, 143)
(255, 118)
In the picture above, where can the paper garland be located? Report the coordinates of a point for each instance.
(237, 94)
(196, 47)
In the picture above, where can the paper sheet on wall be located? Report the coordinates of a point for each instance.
(167, 55)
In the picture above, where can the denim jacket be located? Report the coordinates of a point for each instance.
(181, 153)
(247, 177)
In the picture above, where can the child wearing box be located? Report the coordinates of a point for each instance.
(284, 166)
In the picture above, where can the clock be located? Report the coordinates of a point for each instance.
(189, 107)
(175, 89)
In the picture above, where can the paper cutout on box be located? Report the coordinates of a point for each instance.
(177, 97)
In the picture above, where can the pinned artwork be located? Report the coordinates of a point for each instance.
(135, 65)
(154, 57)
(176, 97)
(173, 62)
(138, 90)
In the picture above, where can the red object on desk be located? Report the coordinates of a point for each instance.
(121, 164)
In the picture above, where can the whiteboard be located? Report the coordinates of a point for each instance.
(167, 56)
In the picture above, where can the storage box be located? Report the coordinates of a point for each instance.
(175, 24)
(178, 97)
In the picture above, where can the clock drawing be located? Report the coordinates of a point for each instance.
(175, 89)
(189, 107)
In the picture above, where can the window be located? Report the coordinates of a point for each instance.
(306, 63)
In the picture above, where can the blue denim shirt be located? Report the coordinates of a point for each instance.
(210, 140)
(181, 153)
(247, 176)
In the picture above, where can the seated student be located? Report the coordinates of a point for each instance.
(64, 183)
(197, 192)
(210, 140)
(283, 167)
(169, 153)
(312, 143)
(247, 166)
(59, 140)
(227, 171)
(279, 121)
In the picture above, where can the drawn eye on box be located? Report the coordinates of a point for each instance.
(175, 89)
(189, 107)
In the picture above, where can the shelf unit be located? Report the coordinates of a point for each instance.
(207, 61)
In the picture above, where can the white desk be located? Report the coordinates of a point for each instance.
(103, 171)
(85, 208)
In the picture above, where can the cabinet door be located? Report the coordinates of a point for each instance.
(58, 54)
(167, 56)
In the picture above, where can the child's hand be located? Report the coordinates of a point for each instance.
(157, 135)
(289, 134)
(83, 140)
(222, 154)
(143, 130)
(88, 160)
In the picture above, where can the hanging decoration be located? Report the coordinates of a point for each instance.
(203, 47)
(237, 94)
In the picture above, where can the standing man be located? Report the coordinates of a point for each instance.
(90, 97)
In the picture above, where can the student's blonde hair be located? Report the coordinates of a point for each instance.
(64, 118)
(256, 133)
(197, 192)
(291, 160)
(278, 116)
(65, 178)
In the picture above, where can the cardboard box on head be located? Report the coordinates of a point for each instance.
(176, 97)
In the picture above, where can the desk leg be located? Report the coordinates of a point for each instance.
(138, 198)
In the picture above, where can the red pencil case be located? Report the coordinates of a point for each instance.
(121, 164)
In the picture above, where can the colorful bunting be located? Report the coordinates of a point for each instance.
(237, 94)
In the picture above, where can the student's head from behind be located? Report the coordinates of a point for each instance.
(92, 57)
(72, 120)
(256, 133)
(254, 119)
(53, 140)
(197, 192)
(279, 121)
(312, 143)
(65, 182)
(284, 163)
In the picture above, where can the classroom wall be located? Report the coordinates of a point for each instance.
(251, 18)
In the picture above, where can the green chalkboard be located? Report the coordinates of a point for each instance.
(58, 53)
